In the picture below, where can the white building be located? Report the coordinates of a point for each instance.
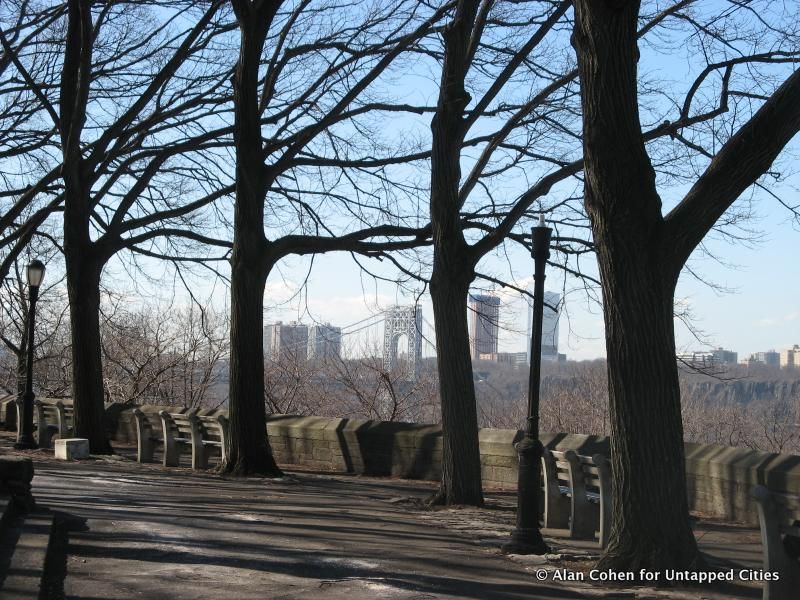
(324, 342)
(287, 342)
(549, 325)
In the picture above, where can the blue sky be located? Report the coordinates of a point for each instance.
(760, 310)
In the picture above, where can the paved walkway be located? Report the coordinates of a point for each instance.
(144, 531)
(166, 534)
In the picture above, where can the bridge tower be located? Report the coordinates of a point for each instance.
(403, 321)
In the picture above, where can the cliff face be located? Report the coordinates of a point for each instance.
(741, 391)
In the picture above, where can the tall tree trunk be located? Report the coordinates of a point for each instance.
(248, 448)
(83, 288)
(650, 525)
(461, 461)
(84, 264)
(453, 271)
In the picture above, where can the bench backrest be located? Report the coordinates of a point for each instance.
(589, 483)
(55, 413)
(214, 428)
(559, 472)
(591, 475)
(8, 411)
(182, 426)
(52, 417)
(556, 506)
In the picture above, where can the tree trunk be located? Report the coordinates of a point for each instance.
(461, 461)
(651, 528)
(650, 525)
(248, 448)
(83, 288)
(453, 272)
(84, 264)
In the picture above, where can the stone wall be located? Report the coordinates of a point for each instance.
(719, 478)
(401, 449)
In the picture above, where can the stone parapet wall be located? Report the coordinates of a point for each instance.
(719, 478)
(401, 449)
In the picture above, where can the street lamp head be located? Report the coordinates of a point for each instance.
(35, 273)
(540, 237)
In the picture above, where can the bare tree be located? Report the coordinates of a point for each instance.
(294, 120)
(127, 179)
(641, 253)
(51, 354)
(367, 389)
(162, 354)
(357, 385)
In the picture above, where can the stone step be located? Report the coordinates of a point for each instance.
(24, 542)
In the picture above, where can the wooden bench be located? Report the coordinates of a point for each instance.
(214, 432)
(52, 418)
(596, 472)
(577, 494)
(778, 516)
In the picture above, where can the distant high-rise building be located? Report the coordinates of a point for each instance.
(698, 359)
(324, 342)
(769, 358)
(725, 357)
(790, 359)
(703, 359)
(549, 326)
(484, 321)
(518, 360)
(286, 341)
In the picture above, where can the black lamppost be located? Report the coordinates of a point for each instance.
(526, 537)
(35, 274)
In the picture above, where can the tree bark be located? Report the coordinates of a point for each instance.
(461, 461)
(650, 527)
(453, 272)
(248, 449)
(83, 288)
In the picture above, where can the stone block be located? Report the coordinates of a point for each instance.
(72, 449)
(322, 454)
